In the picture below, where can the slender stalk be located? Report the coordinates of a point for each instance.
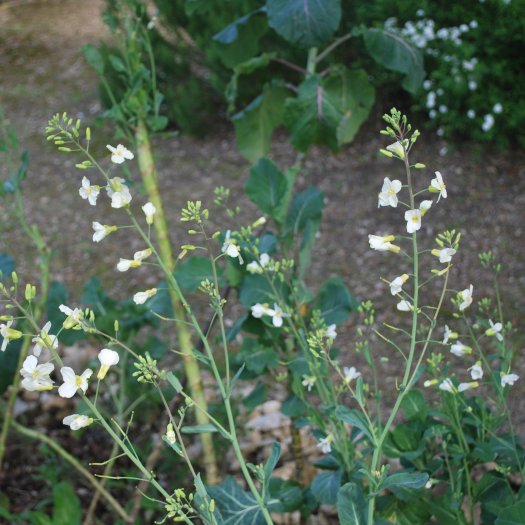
(149, 176)
(33, 434)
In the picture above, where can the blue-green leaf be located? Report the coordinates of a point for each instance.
(267, 187)
(306, 23)
(306, 206)
(354, 418)
(407, 480)
(351, 505)
(326, 485)
(335, 301)
(395, 53)
(513, 515)
(7, 266)
(192, 271)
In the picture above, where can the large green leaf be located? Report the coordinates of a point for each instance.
(335, 301)
(329, 110)
(257, 289)
(7, 265)
(192, 271)
(513, 515)
(94, 58)
(407, 480)
(414, 405)
(351, 505)
(326, 485)
(231, 32)
(236, 506)
(306, 23)
(267, 187)
(256, 356)
(254, 125)
(270, 465)
(67, 509)
(354, 418)
(396, 54)
(306, 206)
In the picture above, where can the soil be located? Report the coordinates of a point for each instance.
(43, 72)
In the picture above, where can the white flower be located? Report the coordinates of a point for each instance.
(231, 248)
(142, 254)
(430, 382)
(170, 434)
(447, 386)
(107, 358)
(476, 371)
(142, 297)
(467, 386)
(258, 266)
(125, 264)
(76, 421)
(449, 334)
(397, 284)
(89, 192)
(471, 113)
(460, 349)
(44, 340)
(424, 207)
(258, 310)
(36, 377)
(330, 332)
(498, 108)
(495, 329)
(389, 191)
(383, 244)
(413, 218)
(277, 315)
(308, 382)
(508, 379)
(72, 382)
(350, 374)
(74, 317)
(404, 306)
(149, 211)
(488, 122)
(397, 149)
(102, 231)
(324, 444)
(8, 334)
(118, 192)
(444, 255)
(438, 186)
(466, 298)
(119, 154)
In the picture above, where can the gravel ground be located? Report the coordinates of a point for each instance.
(43, 72)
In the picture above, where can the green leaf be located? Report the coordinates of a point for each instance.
(307, 245)
(270, 465)
(351, 505)
(254, 125)
(174, 382)
(7, 266)
(231, 32)
(326, 485)
(335, 302)
(206, 428)
(293, 406)
(329, 110)
(66, 508)
(354, 418)
(256, 397)
(414, 405)
(9, 363)
(236, 506)
(191, 272)
(117, 64)
(13, 183)
(306, 206)
(93, 58)
(256, 289)
(256, 356)
(395, 53)
(408, 480)
(513, 515)
(267, 187)
(306, 23)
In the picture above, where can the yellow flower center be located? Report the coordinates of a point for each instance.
(35, 374)
(78, 381)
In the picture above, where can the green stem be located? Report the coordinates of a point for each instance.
(149, 177)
